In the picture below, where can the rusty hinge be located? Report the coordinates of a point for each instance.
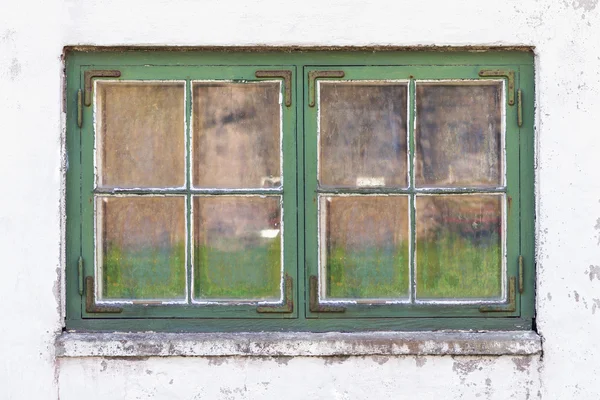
(313, 76)
(90, 300)
(314, 304)
(510, 306)
(507, 73)
(519, 108)
(80, 275)
(96, 73)
(521, 275)
(287, 306)
(79, 108)
(284, 74)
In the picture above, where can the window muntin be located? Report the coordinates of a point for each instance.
(466, 69)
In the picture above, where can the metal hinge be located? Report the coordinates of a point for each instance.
(286, 75)
(90, 300)
(313, 76)
(96, 73)
(519, 108)
(287, 306)
(314, 304)
(79, 108)
(507, 73)
(521, 275)
(510, 306)
(80, 275)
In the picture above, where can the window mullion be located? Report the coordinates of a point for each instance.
(411, 117)
(188, 196)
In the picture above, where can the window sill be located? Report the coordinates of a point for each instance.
(269, 344)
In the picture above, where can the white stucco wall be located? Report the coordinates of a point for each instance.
(566, 36)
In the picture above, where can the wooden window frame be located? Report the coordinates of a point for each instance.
(299, 188)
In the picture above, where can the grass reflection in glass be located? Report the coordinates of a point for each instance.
(252, 273)
(146, 273)
(368, 273)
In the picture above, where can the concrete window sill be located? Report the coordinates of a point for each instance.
(269, 344)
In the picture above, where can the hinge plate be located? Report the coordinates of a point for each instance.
(287, 306)
(313, 76)
(510, 306)
(90, 300)
(314, 304)
(96, 73)
(286, 75)
(507, 73)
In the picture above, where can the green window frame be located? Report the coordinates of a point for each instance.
(306, 301)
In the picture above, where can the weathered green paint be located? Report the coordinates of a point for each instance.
(300, 192)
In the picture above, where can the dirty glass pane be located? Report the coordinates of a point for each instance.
(141, 247)
(236, 135)
(140, 134)
(459, 246)
(364, 246)
(458, 134)
(362, 134)
(237, 247)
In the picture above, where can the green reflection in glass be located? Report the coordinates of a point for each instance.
(237, 248)
(365, 246)
(459, 247)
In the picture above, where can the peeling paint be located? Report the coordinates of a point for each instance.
(420, 361)
(595, 305)
(14, 69)
(522, 363)
(594, 272)
(586, 5)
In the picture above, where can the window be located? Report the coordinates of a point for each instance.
(299, 190)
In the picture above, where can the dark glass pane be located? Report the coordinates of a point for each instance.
(458, 135)
(141, 247)
(362, 133)
(236, 131)
(364, 246)
(140, 134)
(237, 247)
(459, 247)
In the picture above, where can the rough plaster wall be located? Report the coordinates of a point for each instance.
(30, 181)
(302, 378)
(565, 33)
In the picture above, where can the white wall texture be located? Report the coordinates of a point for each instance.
(566, 37)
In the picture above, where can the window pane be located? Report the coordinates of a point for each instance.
(459, 246)
(236, 135)
(458, 134)
(364, 246)
(362, 133)
(140, 134)
(141, 247)
(237, 247)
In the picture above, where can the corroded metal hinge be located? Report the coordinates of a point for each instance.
(90, 300)
(510, 306)
(314, 304)
(519, 108)
(287, 306)
(313, 76)
(507, 73)
(521, 275)
(286, 75)
(79, 108)
(80, 275)
(96, 73)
